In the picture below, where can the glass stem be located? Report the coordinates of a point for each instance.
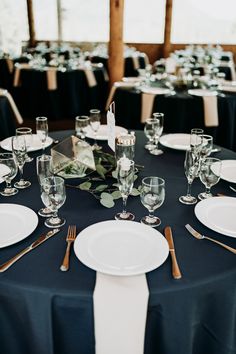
(208, 190)
(189, 189)
(124, 199)
(21, 173)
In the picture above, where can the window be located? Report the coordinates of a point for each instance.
(203, 21)
(45, 17)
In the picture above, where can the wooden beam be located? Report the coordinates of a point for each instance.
(32, 40)
(116, 45)
(167, 42)
(59, 19)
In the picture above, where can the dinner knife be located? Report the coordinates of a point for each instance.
(33, 245)
(175, 268)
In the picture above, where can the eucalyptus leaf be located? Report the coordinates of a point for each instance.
(135, 192)
(101, 187)
(114, 174)
(135, 177)
(116, 185)
(85, 186)
(106, 196)
(101, 170)
(116, 194)
(107, 203)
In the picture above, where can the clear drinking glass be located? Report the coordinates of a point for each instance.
(81, 124)
(158, 131)
(53, 195)
(152, 197)
(196, 139)
(8, 171)
(44, 170)
(125, 177)
(149, 131)
(206, 146)
(95, 121)
(191, 167)
(27, 133)
(19, 151)
(42, 130)
(209, 175)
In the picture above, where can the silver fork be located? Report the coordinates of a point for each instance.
(70, 238)
(199, 236)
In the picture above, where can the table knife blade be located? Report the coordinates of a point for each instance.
(175, 267)
(33, 245)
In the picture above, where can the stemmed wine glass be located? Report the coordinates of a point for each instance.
(19, 151)
(125, 177)
(44, 170)
(158, 131)
(95, 121)
(8, 171)
(196, 140)
(209, 175)
(206, 146)
(27, 133)
(152, 197)
(42, 130)
(53, 195)
(81, 123)
(191, 167)
(149, 131)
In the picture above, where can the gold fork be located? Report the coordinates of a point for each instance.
(70, 238)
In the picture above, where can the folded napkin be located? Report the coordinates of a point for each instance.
(170, 65)
(51, 78)
(18, 116)
(18, 67)
(228, 88)
(120, 310)
(210, 111)
(135, 62)
(90, 77)
(116, 84)
(148, 96)
(10, 65)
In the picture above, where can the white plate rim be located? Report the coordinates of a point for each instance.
(32, 222)
(171, 146)
(5, 144)
(223, 165)
(205, 92)
(203, 205)
(159, 90)
(84, 237)
(90, 134)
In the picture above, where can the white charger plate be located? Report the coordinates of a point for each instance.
(202, 92)
(102, 133)
(121, 248)
(228, 170)
(218, 213)
(178, 141)
(17, 222)
(35, 146)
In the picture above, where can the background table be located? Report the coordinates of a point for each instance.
(7, 118)
(44, 310)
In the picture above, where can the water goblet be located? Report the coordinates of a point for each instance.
(125, 177)
(191, 168)
(206, 146)
(209, 175)
(27, 133)
(149, 131)
(44, 170)
(19, 151)
(53, 195)
(8, 171)
(42, 130)
(81, 124)
(152, 197)
(196, 139)
(158, 131)
(95, 121)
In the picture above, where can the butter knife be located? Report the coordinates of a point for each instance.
(33, 245)
(175, 268)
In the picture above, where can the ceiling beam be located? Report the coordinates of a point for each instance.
(30, 12)
(167, 35)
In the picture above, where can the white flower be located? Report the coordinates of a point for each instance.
(125, 163)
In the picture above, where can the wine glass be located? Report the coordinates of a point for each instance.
(42, 130)
(209, 175)
(95, 121)
(158, 131)
(206, 146)
(191, 167)
(8, 171)
(149, 131)
(53, 195)
(152, 197)
(81, 123)
(125, 177)
(19, 151)
(27, 133)
(196, 139)
(44, 170)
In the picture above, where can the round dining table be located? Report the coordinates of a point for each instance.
(47, 311)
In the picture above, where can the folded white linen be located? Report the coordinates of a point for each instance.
(51, 78)
(14, 108)
(113, 90)
(10, 65)
(135, 62)
(120, 310)
(90, 77)
(18, 67)
(228, 88)
(210, 111)
(146, 106)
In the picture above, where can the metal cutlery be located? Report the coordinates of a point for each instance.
(33, 245)
(199, 236)
(175, 267)
(70, 238)
(232, 188)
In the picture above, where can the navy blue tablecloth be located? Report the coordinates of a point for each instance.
(46, 311)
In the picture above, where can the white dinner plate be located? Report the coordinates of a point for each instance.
(36, 143)
(121, 247)
(176, 141)
(155, 90)
(228, 170)
(102, 133)
(218, 213)
(17, 222)
(202, 92)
